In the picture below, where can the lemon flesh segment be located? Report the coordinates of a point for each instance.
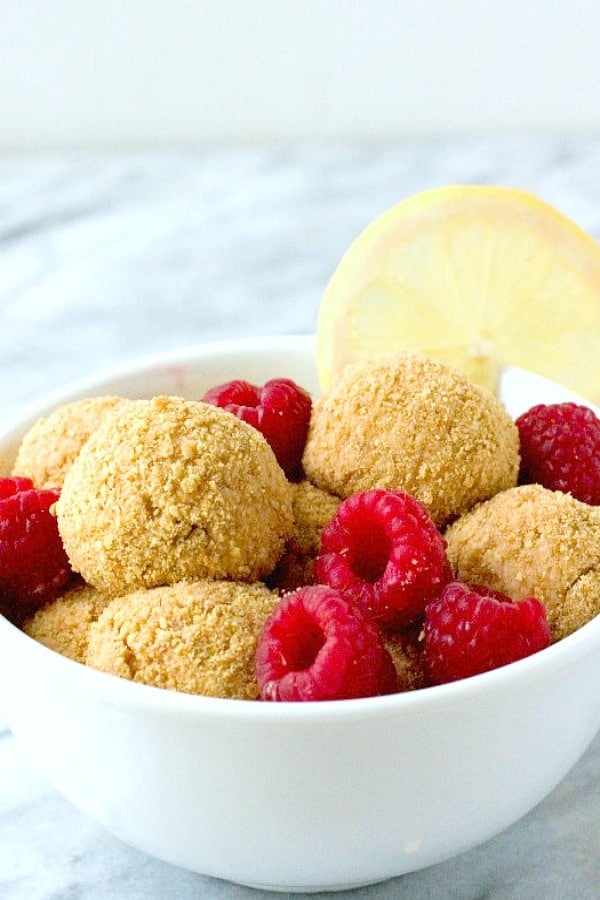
(477, 277)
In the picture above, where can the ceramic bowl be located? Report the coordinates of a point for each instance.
(297, 796)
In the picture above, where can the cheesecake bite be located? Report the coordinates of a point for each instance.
(51, 445)
(312, 510)
(199, 638)
(64, 624)
(169, 490)
(533, 542)
(411, 423)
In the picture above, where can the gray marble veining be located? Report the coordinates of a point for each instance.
(107, 258)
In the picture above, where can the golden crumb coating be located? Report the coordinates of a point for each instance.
(406, 651)
(199, 638)
(408, 422)
(64, 624)
(312, 509)
(169, 490)
(49, 448)
(533, 542)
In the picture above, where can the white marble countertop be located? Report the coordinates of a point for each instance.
(107, 258)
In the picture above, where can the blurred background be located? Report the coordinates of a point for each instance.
(174, 171)
(147, 73)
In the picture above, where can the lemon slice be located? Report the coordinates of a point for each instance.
(478, 277)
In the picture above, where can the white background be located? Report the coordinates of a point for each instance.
(123, 73)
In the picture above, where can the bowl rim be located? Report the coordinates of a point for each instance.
(166, 358)
(114, 689)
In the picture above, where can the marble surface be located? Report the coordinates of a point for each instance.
(107, 258)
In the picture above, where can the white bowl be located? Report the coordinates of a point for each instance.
(298, 796)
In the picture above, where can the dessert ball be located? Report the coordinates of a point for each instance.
(312, 510)
(406, 651)
(52, 444)
(199, 638)
(64, 624)
(170, 490)
(533, 542)
(412, 423)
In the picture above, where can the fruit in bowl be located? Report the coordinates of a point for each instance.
(271, 793)
(169, 520)
(453, 692)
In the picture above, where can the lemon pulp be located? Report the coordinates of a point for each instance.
(479, 277)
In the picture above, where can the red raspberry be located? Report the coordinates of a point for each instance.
(33, 564)
(280, 410)
(560, 449)
(382, 549)
(469, 630)
(318, 645)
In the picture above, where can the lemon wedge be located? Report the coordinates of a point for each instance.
(478, 277)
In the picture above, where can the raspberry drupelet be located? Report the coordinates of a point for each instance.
(470, 629)
(280, 410)
(11, 486)
(384, 551)
(318, 645)
(560, 449)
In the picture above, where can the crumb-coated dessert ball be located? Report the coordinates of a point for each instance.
(169, 490)
(64, 624)
(408, 422)
(533, 542)
(406, 651)
(312, 509)
(49, 448)
(199, 637)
